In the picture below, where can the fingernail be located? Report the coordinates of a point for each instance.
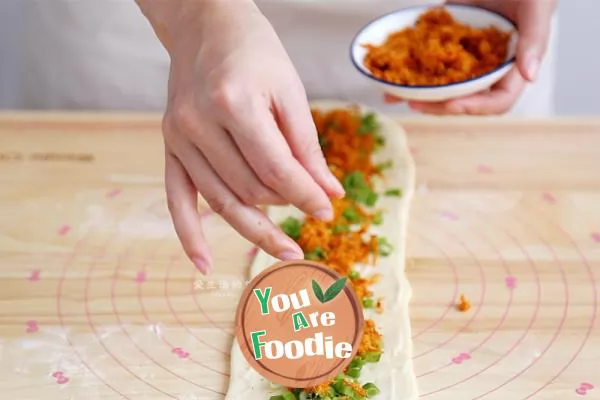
(290, 255)
(202, 264)
(336, 186)
(533, 65)
(325, 214)
(391, 99)
(415, 106)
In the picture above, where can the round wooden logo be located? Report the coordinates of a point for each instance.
(299, 323)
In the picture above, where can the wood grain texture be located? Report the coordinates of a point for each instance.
(97, 300)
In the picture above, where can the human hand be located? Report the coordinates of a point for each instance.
(238, 130)
(533, 19)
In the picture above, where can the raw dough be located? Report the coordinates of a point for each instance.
(394, 374)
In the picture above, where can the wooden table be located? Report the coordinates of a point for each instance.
(98, 302)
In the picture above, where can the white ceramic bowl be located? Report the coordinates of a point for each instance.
(377, 31)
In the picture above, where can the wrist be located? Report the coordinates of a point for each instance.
(171, 18)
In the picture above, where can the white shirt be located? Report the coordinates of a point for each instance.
(90, 54)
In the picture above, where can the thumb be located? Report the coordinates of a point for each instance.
(534, 21)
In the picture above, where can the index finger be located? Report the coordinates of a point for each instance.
(265, 148)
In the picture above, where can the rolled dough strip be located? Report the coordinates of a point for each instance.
(393, 374)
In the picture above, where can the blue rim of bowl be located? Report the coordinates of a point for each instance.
(426, 7)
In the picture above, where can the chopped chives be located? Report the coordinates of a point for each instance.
(372, 357)
(357, 362)
(397, 192)
(341, 388)
(292, 227)
(358, 189)
(316, 255)
(351, 215)
(378, 218)
(339, 229)
(354, 275)
(371, 198)
(284, 396)
(371, 389)
(383, 166)
(353, 372)
(368, 124)
(385, 247)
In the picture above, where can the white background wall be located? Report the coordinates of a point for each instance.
(578, 80)
(578, 85)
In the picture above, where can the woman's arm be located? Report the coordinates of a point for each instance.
(237, 127)
(167, 16)
(162, 16)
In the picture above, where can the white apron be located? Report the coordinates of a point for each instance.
(90, 54)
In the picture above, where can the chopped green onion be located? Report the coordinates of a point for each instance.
(358, 189)
(339, 229)
(368, 124)
(383, 166)
(316, 255)
(353, 372)
(368, 303)
(394, 192)
(372, 357)
(284, 396)
(354, 275)
(371, 389)
(385, 247)
(357, 362)
(292, 227)
(297, 391)
(338, 386)
(354, 180)
(330, 395)
(378, 218)
(371, 199)
(341, 388)
(379, 141)
(351, 215)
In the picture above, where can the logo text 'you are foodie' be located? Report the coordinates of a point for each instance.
(299, 323)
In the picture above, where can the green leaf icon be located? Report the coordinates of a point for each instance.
(330, 293)
(318, 291)
(334, 290)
